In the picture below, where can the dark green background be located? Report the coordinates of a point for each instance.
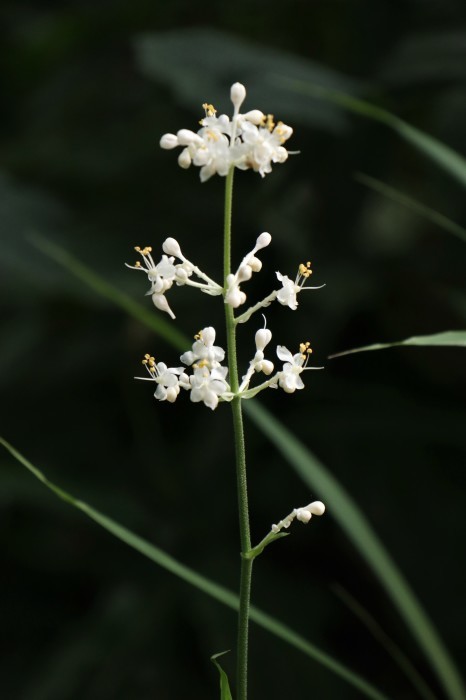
(86, 99)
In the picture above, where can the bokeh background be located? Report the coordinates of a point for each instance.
(88, 90)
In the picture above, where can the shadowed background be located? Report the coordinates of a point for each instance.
(90, 88)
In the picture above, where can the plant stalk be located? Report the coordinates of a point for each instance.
(240, 459)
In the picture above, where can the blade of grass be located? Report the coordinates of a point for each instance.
(216, 591)
(412, 204)
(432, 148)
(359, 531)
(447, 338)
(384, 640)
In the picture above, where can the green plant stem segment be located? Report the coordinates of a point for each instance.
(240, 458)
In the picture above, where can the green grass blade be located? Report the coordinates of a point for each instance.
(384, 640)
(447, 338)
(444, 156)
(341, 506)
(98, 284)
(412, 204)
(216, 591)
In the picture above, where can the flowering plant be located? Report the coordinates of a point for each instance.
(209, 373)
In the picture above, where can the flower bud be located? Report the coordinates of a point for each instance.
(263, 240)
(244, 273)
(186, 137)
(255, 264)
(237, 95)
(316, 508)
(169, 141)
(161, 303)
(171, 247)
(255, 116)
(263, 338)
(184, 159)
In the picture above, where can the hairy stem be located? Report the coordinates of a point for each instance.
(240, 458)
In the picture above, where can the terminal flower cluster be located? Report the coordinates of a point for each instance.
(246, 141)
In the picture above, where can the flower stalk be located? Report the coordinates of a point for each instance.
(240, 460)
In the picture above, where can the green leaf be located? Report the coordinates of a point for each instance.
(345, 511)
(225, 692)
(430, 147)
(447, 338)
(173, 59)
(410, 203)
(216, 591)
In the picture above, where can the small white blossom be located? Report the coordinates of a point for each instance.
(166, 273)
(258, 363)
(248, 141)
(287, 296)
(208, 385)
(204, 353)
(168, 379)
(289, 378)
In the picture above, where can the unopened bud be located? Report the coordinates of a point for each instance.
(171, 247)
(263, 240)
(169, 141)
(237, 94)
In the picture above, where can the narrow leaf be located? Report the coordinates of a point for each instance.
(216, 591)
(359, 531)
(225, 692)
(447, 338)
(441, 154)
(412, 204)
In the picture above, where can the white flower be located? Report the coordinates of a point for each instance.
(161, 276)
(248, 141)
(204, 353)
(208, 385)
(258, 363)
(289, 378)
(287, 296)
(168, 379)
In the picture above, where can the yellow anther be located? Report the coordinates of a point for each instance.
(305, 269)
(137, 264)
(198, 336)
(137, 248)
(268, 122)
(210, 110)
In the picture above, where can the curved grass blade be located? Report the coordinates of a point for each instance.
(384, 640)
(412, 204)
(444, 156)
(445, 339)
(225, 692)
(216, 591)
(359, 531)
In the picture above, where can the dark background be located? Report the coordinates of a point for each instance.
(86, 99)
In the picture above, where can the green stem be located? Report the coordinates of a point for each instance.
(240, 456)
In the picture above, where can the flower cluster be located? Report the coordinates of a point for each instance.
(163, 275)
(248, 141)
(208, 382)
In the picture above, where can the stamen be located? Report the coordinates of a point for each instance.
(210, 110)
(268, 122)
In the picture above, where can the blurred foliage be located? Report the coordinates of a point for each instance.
(86, 102)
